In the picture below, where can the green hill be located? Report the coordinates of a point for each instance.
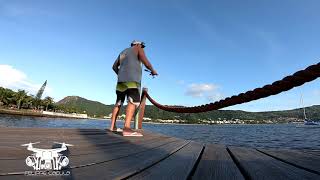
(82, 105)
(313, 112)
(79, 104)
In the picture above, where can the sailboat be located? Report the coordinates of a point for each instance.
(308, 122)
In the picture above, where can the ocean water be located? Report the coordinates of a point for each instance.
(290, 136)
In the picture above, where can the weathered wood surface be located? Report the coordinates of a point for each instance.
(94, 157)
(256, 165)
(216, 163)
(177, 166)
(305, 161)
(100, 154)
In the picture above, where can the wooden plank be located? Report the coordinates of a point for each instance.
(114, 169)
(125, 167)
(299, 159)
(4, 151)
(312, 152)
(115, 152)
(34, 133)
(13, 131)
(22, 139)
(256, 165)
(13, 141)
(51, 133)
(65, 134)
(50, 130)
(177, 166)
(118, 151)
(9, 153)
(90, 143)
(216, 163)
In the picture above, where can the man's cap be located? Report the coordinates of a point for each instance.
(138, 42)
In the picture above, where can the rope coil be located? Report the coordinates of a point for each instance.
(297, 79)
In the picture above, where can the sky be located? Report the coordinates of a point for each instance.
(203, 51)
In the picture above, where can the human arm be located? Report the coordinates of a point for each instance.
(143, 58)
(116, 65)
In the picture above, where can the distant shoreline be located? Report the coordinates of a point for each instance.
(21, 112)
(32, 113)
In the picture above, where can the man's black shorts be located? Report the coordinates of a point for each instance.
(132, 94)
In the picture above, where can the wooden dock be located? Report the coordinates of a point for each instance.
(99, 154)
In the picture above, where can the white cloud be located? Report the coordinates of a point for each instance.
(198, 90)
(15, 79)
(203, 90)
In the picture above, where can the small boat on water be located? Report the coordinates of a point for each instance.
(308, 122)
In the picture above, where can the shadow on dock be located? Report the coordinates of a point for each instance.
(100, 154)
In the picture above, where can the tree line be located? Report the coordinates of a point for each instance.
(21, 100)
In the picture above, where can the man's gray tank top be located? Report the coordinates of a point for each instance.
(130, 67)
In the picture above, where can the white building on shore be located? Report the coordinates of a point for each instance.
(73, 115)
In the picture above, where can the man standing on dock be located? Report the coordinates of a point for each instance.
(129, 70)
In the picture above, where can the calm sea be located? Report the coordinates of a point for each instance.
(263, 136)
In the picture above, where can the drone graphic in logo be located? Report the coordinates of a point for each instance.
(47, 159)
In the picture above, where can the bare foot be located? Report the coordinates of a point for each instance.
(113, 128)
(129, 132)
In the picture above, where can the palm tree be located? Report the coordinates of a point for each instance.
(2, 90)
(29, 101)
(6, 96)
(19, 97)
(48, 101)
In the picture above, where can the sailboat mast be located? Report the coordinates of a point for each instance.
(304, 109)
(304, 113)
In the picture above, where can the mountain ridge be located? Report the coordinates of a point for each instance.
(97, 109)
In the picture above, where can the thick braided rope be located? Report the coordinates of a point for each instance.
(297, 79)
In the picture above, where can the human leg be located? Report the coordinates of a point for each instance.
(129, 115)
(127, 131)
(114, 116)
(116, 109)
(133, 102)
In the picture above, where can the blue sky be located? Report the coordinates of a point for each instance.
(202, 50)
